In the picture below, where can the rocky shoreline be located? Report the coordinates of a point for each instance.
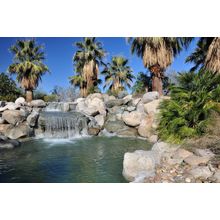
(166, 163)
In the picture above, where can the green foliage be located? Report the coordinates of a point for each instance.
(38, 94)
(187, 113)
(51, 98)
(8, 89)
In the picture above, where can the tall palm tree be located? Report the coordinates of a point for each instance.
(212, 60)
(118, 75)
(87, 60)
(28, 65)
(157, 54)
(198, 57)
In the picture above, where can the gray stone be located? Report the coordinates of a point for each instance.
(152, 107)
(2, 120)
(20, 131)
(8, 144)
(204, 153)
(131, 108)
(114, 126)
(145, 129)
(32, 119)
(2, 103)
(4, 128)
(201, 172)
(217, 176)
(9, 106)
(153, 138)
(132, 119)
(128, 132)
(150, 96)
(37, 103)
(114, 102)
(135, 101)
(93, 131)
(196, 160)
(181, 154)
(20, 101)
(139, 163)
(13, 116)
(100, 119)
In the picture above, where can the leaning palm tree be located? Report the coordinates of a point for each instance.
(28, 65)
(157, 54)
(87, 60)
(118, 75)
(198, 57)
(212, 60)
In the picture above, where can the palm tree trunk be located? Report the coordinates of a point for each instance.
(29, 95)
(157, 84)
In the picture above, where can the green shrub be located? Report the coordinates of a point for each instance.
(8, 89)
(188, 112)
(51, 98)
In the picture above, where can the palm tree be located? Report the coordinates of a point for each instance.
(87, 60)
(198, 57)
(28, 65)
(118, 75)
(157, 54)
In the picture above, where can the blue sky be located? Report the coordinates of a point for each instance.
(59, 53)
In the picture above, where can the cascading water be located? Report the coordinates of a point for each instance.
(63, 124)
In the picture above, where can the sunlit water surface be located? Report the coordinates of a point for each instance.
(83, 160)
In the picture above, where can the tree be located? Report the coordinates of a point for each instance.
(118, 75)
(198, 57)
(87, 60)
(28, 65)
(157, 54)
(8, 89)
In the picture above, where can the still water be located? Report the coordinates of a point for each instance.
(83, 160)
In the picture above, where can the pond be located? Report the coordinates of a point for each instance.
(82, 160)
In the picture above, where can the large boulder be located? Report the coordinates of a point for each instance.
(9, 106)
(132, 118)
(5, 143)
(194, 160)
(128, 132)
(145, 129)
(13, 116)
(201, 172)
(152, 107)
(122, 94)
(100, 120)
(114, 102)
(2, 120)
(114, 126)
(37, 103)
(20, 131)
(4, 128)
(150, 96)
(20, 101)
(139, 163)
(32, 119)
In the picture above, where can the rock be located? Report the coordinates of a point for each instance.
(80, 105)
(116, 110)
(5, 143)
(95, 95)
(128, 132)
(111, 117)
(132, 119)
(131, 108)
(22, 130)
(114, 102)
(13, 116)
(140, 108)
(2, 120)
(122, 94)
(20, 101)
(204, 153)
(162, 147)
(188, 180)
(66, 107)
(145, 129)
(114, 126)
(150, 96)
(152, 107)
(196, 160)
(37, 103)
(2, 103)
(201, 172)
(10, 106)
(100, 119)
(135, 101)
(181, 154)
(3, 137)
(32, 119)
(119, 116)
(153, 138)
(217, 176)
(139, 163)
(91, 111)
(79, 100)
(4, 128)
(93, 131)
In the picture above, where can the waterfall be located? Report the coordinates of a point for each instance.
(63, 124)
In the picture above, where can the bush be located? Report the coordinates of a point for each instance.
(8, 89)
(188, 113)
(51, 98)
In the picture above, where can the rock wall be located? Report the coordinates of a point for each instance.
(127, 116)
